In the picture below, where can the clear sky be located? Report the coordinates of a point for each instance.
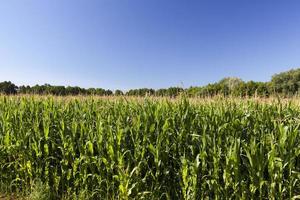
(146, 43)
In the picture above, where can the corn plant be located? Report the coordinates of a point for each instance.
(152, 148)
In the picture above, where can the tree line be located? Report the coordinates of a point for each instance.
(285, 83)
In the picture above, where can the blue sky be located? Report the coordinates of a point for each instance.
(146, 43)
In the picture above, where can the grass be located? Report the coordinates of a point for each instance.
(149, 148)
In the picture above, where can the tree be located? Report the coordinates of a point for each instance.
(74, 90)
(119, 93)
(24, 89)
(141, 92)
(230, 84)
(108, 93)
(161, 92)
(8, 87)
(174, 91)
(287, 83)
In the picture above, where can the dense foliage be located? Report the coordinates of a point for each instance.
(62, 91)
(150, 149)
(238, 89)
(8, 87)
(286, 84)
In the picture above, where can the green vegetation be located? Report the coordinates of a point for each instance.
(287, 82)
(117, 148)
(284, 84)
(8, 87)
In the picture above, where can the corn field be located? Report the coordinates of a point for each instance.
(118, 148)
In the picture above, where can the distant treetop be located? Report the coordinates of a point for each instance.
(285, 83)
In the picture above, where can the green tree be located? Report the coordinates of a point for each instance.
(8, 87)
(287, 83)
(119, 93)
